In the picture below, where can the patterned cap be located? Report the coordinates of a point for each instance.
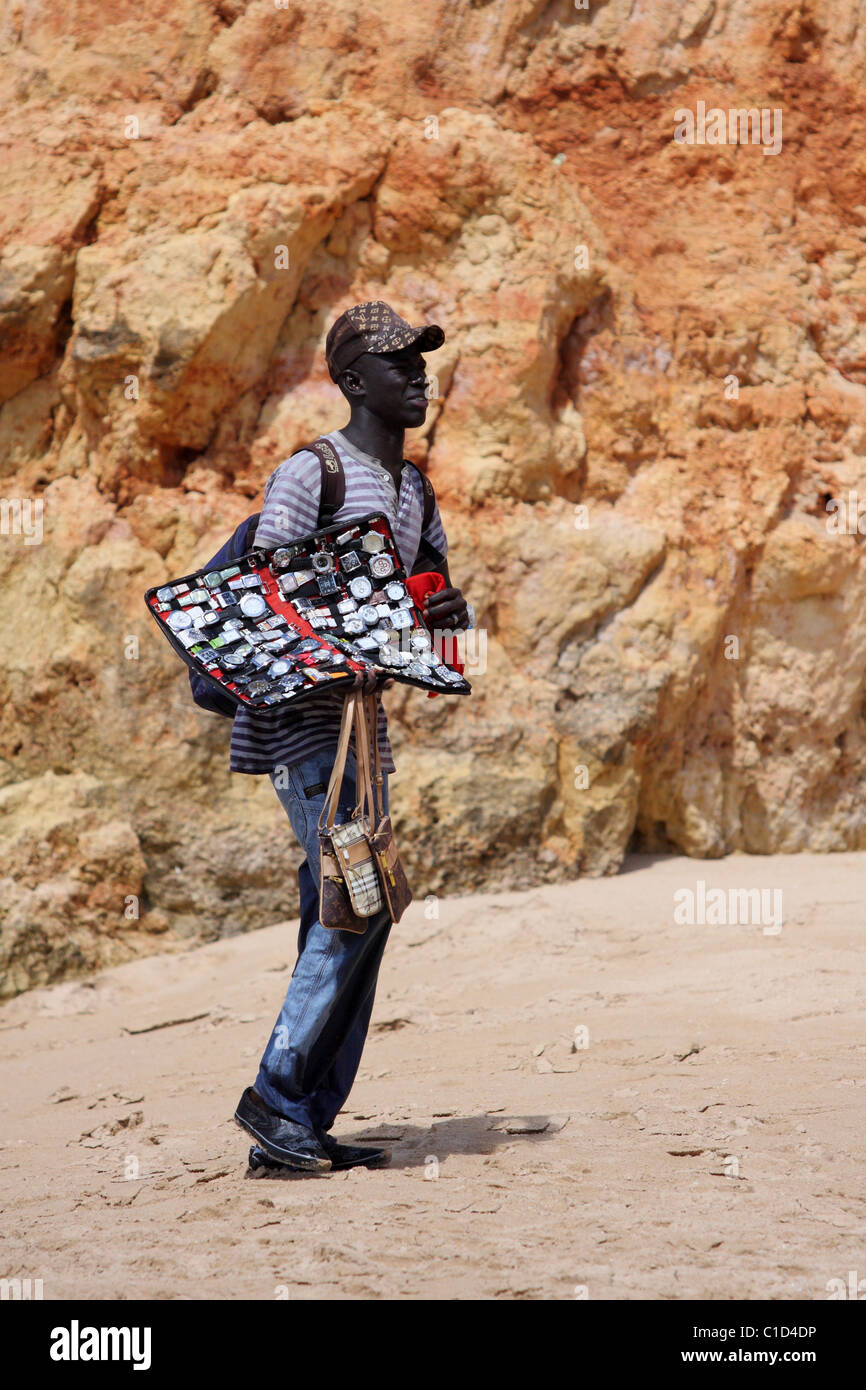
(374, 327)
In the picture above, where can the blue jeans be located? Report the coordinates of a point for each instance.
(309, 1065)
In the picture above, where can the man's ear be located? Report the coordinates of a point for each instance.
(351, 384)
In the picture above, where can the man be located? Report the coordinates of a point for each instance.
(310, 1062)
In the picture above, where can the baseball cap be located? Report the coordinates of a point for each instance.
(374, 327)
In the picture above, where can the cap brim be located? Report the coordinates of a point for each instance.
(428, 338)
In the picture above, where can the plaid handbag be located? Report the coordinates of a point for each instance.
(359, 868)
(350, 890)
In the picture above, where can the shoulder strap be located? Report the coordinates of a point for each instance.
(376, 804)
(429, 495)
(328, 812)
(333, 493)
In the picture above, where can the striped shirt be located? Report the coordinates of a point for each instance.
(285, 737)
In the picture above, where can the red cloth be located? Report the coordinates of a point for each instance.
(420, 586)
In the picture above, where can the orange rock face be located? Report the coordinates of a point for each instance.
(653, 385)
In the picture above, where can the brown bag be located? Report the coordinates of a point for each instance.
(395, 885)
(359, 869)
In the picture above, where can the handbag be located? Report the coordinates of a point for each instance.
(359, 868)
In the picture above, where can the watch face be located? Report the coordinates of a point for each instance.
(381, 566)
(373, 543)
(360, 587)
(253, 605)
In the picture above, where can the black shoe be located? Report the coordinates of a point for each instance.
(288, 1142)
(353, 1155)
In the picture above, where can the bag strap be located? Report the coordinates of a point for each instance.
(332, 795)
(429, 495)
(333, 490)
(373, 718)
(364, 788)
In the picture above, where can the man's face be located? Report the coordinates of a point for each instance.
(392, 386)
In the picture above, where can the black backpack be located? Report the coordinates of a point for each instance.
(206, 692)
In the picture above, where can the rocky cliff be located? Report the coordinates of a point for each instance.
(652, 387)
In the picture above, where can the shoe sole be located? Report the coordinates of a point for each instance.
(287, 1157)
(377, 1160)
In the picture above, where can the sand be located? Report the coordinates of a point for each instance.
(702, 1137)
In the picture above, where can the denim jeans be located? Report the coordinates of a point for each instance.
(309, 1065)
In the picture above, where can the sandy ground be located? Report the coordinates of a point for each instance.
(706, 1143)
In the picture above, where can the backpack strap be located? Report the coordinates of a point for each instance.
(429, 495)
(333, 493)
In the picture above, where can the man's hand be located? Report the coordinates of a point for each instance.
(368, 681)
(446, 609)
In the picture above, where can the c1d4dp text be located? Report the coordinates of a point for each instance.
(723, 1333)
